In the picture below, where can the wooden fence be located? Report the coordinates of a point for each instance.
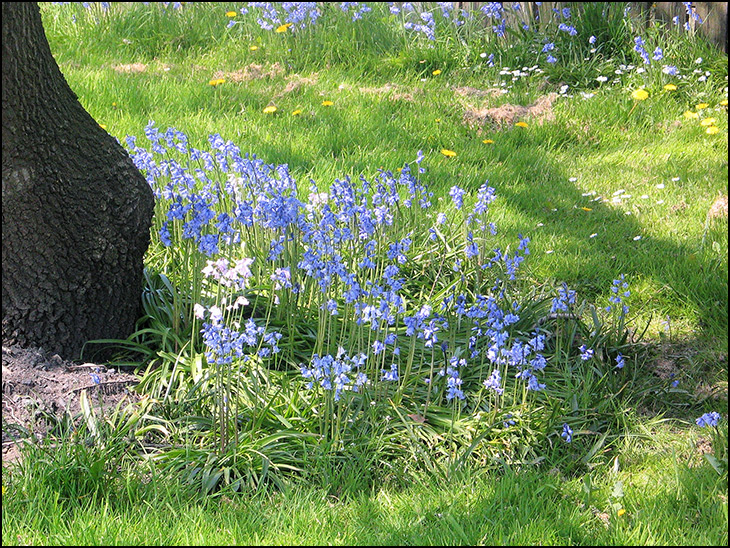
(712, 14)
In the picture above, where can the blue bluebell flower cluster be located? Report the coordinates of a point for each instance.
(345, 250)
(336, 373)
(620, 291)
(708, 419)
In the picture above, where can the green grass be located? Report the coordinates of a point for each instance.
(382, 478)
(667, 498)
(598, 141)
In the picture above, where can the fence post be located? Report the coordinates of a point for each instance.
(714, 26)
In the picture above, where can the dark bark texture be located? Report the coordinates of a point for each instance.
(75, 211)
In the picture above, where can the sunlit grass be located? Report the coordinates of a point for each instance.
(642, 495)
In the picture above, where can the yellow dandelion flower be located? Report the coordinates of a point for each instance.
(448, 153)
(723, 103)
(701, 106)
(297, 112)
(4, 489)
(216, 82)
(522, 124)
(640, 94)
(586, 209)
(488, 142)
(253, 48)
(327, 103)
(231, 14)
(708, 122)
(437, 120)
(621, 512)
(689, 114)
(270, 109)
(283, 28)
(102, 126)
(712, 130)
(436, 72)
(670, 87)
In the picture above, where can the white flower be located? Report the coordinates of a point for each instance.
(199, 311)
(215, 314)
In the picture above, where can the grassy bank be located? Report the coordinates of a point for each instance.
(407, 284)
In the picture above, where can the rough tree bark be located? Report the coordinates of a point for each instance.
(75, 211)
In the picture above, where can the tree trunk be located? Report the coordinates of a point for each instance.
(75, 211)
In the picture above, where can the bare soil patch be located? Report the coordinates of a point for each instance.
(718, 210)
(130, 68)
(251, 72)
(40, 390)
(508, 114)
(295, 82)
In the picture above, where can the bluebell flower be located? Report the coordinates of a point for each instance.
(708, 419)
(472, 250)
(208, 244)
(567, 433)
(165, 235)
(620, 362)
(585, 353)
(494, 382)
(378, 347)
(565, 298)
(390, 375)
(567, 28)
(453, 384)
(616, 299)
(457, 195)
(281, 278)
(639, 46)
(538, 363)
(485, 196)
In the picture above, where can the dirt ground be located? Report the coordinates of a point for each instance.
(40, 389)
